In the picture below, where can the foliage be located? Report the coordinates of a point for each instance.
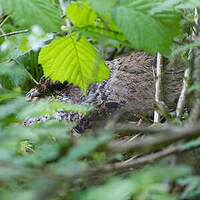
(35, 161)
(11, 75)
(74, 60)
(90, 24)
(143, 26)
(192, 184)
(44, 161)
(146, 25)
(33, 12)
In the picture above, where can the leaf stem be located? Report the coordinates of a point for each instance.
(3, 22)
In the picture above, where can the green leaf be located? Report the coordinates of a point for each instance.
(186, 4)
(86, 146)
(102, 7)
(189, 4)
(143, 26)
(12, 108)
(86, 15)
(10, 49)
(27, 13)
(151, 179)
(191, 144)
(194, 88)
(192, 187)
(184, 48)
(11, 75)
(75, 61)
(117, 189)
(43, 107)
(106, 37)
(152, 32)
(90, 24)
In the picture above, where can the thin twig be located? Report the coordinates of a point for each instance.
(62, 6)
(121, 166)
(158, 141)
(196, 16)
(130, 129)
(2, 32)
(90, 172)
(181, 101)
(195, 111)
(158, 85)
(29, 74)
(182, 97)
(14, 33)
(142, 160)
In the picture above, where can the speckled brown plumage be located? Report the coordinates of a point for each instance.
(131, 87)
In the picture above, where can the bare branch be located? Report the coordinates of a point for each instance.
(181, 100)
(130, 129)
(158, 85)
(127, 165)
(89, 172)
(14, 33)
(62, 6)
(195, 112)
(2, 32)
(29, 74)
(158, 141)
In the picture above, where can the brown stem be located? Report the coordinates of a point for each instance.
(157, 142)
(14, 33)
(130, 129)
(2, 32)
(29, 74)
(89, 172)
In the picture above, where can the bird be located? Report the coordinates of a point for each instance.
(131, 88)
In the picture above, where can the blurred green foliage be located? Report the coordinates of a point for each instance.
(44, 161)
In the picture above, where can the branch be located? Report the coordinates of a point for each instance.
(89, 172)
(121, 166)
(93, 171)
(29, 74)
(158, 85)
(195, 111)
(158, 141)
(2, 32)
(14, 33)
(62, 6)
(182, 97)
(130, 129)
